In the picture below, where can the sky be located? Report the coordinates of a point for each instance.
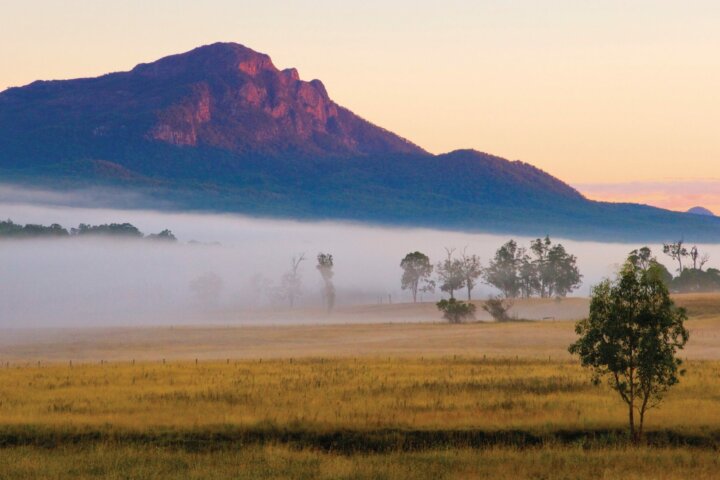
(595, 92)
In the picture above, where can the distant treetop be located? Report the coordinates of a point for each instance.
(9, 229)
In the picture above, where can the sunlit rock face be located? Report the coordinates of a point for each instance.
(237, 99)
(223, 96)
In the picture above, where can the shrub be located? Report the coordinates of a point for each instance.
(498, 308)
(456, 311)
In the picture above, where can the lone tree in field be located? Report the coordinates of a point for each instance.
(417, 271)
(456, 311)
(450, 273)
(631, 336)
(325, 267)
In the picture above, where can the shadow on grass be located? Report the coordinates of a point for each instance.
(343, 441)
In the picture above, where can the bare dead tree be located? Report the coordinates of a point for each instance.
(291, 282)
(704, 258)
(676, 251)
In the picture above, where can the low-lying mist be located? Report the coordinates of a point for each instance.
(227, 273)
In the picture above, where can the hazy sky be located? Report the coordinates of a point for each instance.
(592, 91)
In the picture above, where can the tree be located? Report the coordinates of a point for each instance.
(417, 271)
(502, 272)
(631, 336)
(676, 251)
(541, 249)
(694, 254)
(564, 276)
(471, 271)
(556, 272)
(527, 275)
(325, 267)
(696, 280)
(10, 229)
(704, 258)
(643, 259)
(291, 282)
(165, 235)
(456, 311)
(450, 273)
(498, 308)
(698, 260)
(113, 229)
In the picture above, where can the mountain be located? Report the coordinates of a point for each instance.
(221, 128)
(701, 211)
(224, 96)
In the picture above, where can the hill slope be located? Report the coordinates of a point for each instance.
(221, 128)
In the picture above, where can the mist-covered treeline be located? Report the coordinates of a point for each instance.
(224, 268)
(544, 269)
(10, 229)
(691, 273)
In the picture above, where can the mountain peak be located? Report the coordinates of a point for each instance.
(236, 99)
(223, 96)
(216, 57)
(700, 211)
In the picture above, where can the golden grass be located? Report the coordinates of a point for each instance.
(110, 462)
(339, 380)
(321, 394)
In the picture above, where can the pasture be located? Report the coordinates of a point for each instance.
(391, 400)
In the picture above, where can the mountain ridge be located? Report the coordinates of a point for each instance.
(221, 128)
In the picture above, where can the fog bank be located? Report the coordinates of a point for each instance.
(99, 282)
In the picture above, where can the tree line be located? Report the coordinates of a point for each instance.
(9, 229)
(692, 276)
(543, 269)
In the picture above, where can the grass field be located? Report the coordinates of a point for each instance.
(345, 401)
(122, 462)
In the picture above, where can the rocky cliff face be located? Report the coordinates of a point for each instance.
(222, 95)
